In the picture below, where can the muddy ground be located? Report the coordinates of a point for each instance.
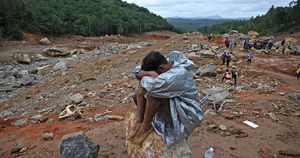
(106, 84)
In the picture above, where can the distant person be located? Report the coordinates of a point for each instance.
(227, 75)
(224, 56)
(234, 74)
(227, 42)
(249, 58)
(228, 58)
(209, 37)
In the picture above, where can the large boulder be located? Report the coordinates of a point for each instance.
(207, 70)
(207, 54)
(153, 146)
(56, 52)
(78, 145)
(22, 58)
(218, 94)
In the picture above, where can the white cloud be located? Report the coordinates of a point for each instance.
(197, 8)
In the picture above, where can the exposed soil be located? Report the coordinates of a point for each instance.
(106, 85)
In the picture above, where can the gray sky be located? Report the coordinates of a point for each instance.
(198, 8)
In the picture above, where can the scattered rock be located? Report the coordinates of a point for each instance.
(27, 80)
(44, 41)
(56, 52)
(77, 98)
(218, 94)
(223, 127)
(22, 58)
(48, 136)
(207, 70)
(17, 148)
(295, 96)
(60, 66)
(23, 150)
(33, 70)
(5, 113)
(21, 122)
(78, 145)
(207, 54)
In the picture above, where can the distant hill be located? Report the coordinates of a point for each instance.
(192, 24)
(279, 19)
(83, 17)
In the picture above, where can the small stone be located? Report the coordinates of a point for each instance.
(48, 136)
(23, 149)
(77, 98)
(27, 80)
(223, 127)
(16, 149)
(20, 122)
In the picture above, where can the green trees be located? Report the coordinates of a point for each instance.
(83, 17)
(276, 20)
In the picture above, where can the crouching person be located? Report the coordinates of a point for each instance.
(167, 103)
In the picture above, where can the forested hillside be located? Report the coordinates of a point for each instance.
(280, 19)
(186, 25)
(83, 17)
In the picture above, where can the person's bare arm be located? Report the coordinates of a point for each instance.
(143, 73)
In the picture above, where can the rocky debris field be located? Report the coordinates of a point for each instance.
(51, 88)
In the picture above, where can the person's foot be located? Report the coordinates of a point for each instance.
(142, 134)
(134, 130)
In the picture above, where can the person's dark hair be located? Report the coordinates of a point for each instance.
(152, 61)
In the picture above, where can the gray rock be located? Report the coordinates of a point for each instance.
(60, 66)
(207, 70)
(21, 122)
(77, 98)
(218, 94)
(27, 80)
(5, 113)
(207, 54)
(78, 145)
(223, 127)
(295, 96)
(33, 70)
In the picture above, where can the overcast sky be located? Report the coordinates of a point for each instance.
(198, 8)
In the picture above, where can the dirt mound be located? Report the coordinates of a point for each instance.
(31, 37)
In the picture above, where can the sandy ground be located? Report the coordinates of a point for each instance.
(112, 72)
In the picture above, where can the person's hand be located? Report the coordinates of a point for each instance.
(143, 73)
(152, 74)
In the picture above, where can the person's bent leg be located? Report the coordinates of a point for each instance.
(140, 101)
(152, 106)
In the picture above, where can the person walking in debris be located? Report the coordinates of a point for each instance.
(209, 37)
(249, 58)
(227, 76)
(234, 74)
(298, 72)
(224, 56)
(227, 42)
(228, 59)
(167, 99)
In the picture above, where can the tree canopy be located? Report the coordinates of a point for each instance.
(279, 19)
(82, 17)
